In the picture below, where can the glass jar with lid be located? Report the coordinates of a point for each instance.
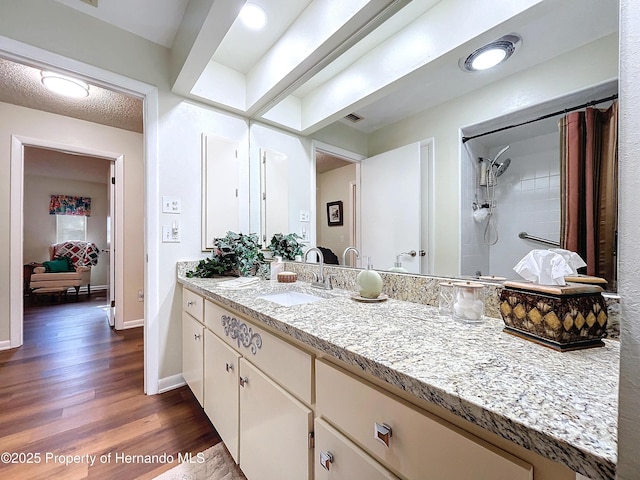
(468, 301)
(445, 299)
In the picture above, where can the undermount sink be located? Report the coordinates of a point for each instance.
(290, 298)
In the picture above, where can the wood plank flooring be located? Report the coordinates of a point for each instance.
(76, 388)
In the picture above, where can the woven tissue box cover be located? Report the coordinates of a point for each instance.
(571, 315)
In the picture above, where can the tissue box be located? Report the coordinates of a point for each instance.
(567, 317)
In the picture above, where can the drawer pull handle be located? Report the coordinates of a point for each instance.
(229, 367)
(382, 433)
(326, 459)
(244, 381)
(190, 303)
(196, 336)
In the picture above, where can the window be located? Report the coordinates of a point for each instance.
(71, 227)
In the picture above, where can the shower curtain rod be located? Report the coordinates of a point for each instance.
(544, 117)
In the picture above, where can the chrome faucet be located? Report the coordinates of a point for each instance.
(319, 279)
(346, 251)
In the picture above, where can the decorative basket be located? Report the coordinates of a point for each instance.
(567, 317)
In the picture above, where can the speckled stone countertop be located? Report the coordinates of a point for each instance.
(562, 406)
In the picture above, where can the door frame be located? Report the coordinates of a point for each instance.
(18, 142)
(22, 52)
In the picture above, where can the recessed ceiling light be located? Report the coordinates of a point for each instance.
(63, 85)
(491, 54)
(253, 16)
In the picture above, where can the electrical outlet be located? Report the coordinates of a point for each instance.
(304, 216)
(140, 296)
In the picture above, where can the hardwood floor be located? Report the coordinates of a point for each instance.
(76, 388)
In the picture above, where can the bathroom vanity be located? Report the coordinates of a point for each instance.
(303, 383)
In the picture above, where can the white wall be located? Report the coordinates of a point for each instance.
(592, 64)
(40, 227)
(628, 233)
(332, 186)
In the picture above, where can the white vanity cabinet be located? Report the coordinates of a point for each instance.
(408, 441)
(258, 392)
(222, 365)
(193, 342)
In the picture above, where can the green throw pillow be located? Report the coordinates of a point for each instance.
(58, 265)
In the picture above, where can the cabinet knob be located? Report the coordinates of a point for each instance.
(326, 458)
(228, 366)
(382, 433)
(244, 381)
(190, 303)
(196, 336)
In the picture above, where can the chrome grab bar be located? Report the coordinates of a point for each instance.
(526, 236)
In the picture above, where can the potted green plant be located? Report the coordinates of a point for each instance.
(235, 254)
(286, 246)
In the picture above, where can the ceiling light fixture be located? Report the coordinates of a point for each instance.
(253, 16)
(491, 54)
(63, 85)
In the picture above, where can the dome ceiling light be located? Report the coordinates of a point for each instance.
(492, 54)
(63, 85)
(253, 16)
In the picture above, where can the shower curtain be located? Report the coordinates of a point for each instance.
(589, 188)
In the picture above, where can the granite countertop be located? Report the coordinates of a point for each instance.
(562, 406)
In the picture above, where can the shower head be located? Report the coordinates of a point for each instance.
(502, 167)
(500, 153)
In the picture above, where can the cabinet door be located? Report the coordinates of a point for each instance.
(221, 405)
(274, 429)
(337, 458)
(192, 354)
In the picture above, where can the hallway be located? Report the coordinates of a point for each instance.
(76, 388)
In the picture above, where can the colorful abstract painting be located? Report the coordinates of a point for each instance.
(70, 205)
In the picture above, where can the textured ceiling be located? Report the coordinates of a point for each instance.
(21, 85)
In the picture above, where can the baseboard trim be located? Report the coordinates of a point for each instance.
(133, 324)
(5, 345)
(170, 383)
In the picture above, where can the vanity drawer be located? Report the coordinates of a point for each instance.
(193, 304)
(284, 363)
(337, 458)
(418, 444)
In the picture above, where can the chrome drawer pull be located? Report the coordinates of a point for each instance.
(382, 433)
(196, 336)
(244, 381)
(326, 459)
(229, 367)
(190, 303)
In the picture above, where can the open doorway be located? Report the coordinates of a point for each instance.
(53, 174)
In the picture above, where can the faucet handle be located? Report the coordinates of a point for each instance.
(327, 280)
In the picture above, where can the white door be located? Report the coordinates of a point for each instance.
(274, 186)
(220, 183)
(390, 200)
(110, 251)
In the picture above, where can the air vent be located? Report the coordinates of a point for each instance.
(93, 3)
(352, 117)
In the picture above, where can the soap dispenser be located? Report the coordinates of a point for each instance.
(369, 281)
(397, 266)
(277, 266)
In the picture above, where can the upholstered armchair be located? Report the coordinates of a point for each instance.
(69, 266)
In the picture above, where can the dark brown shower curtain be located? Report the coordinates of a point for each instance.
(589, 188)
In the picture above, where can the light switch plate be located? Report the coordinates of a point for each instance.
(171, 205)
(304, 215)
(170, 234)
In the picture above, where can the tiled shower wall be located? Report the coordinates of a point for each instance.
(527, 200)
